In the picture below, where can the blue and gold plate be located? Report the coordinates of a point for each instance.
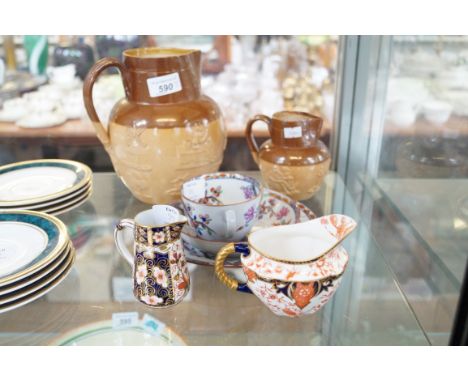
(29, 241)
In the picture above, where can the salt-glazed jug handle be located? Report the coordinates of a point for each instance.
(119, 241)
(220, 273)
(249, 136)
(88, 85)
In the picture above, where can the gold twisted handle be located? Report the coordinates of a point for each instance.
(219, 266)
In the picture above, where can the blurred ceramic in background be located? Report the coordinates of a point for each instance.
(78, 53)
(294, 161)
(402, 113)
(13, 109)
(64, 77)
(2, 72)
(437, 112)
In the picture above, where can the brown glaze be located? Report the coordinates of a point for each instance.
(294, 161)
(156, 143)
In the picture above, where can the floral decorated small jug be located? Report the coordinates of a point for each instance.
(293, 269)
(160, 274)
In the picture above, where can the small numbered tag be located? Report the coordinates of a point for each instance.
(164, 214)
(164, 85)
(152, 325)
(124, 319)
(293, 132)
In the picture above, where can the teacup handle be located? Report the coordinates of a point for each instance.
(221, 274)
(253, 147)
(118, 238)
(230, 217)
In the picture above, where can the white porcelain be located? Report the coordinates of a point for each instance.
(45, 280)
(149, 332)
(40, 183)
(61, 74)
(275, 209)
(13, 110)
(2, 71)
(60, 263)
(42, 104)
(55, 202)
(62, 210)
(302, 242)
(458, 98)
(402, 113)
(294, 269)
(29, 242)
(437, 112)
(453, 78)
(190, 237)
(74, 202)
(35, 182)
(15, 251)
(42, 120)
(39, 293)
(222, 206)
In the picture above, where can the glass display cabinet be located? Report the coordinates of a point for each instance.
(396, 124)
(402, 154)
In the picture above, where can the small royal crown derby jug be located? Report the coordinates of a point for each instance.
(160, 274)
(294, 161)
(293, 269)
(165, 131)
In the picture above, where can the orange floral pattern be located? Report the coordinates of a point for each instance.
(332, 264)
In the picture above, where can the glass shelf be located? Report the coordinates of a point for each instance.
(367, 309)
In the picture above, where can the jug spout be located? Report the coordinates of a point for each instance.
(302, 242)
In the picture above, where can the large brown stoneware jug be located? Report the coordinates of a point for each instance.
(294, 161)
(164, 131)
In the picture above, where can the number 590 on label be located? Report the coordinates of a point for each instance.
(164, 85)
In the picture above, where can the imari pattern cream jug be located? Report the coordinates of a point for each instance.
(164, 131)
(293, 269)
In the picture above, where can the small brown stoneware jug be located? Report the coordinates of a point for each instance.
(164, 131)
(294, 161)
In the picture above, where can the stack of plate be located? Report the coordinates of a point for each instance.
(35, 256)
(53, 186)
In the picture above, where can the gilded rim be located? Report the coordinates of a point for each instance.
(41, 292)
(217, 175)
(96, 327)
(68, 203)
(61, 244)
(79, 166)
(300, 262)
(9, 288)
(68, 209)
(332, 277)
(45, 280)
(52, 203)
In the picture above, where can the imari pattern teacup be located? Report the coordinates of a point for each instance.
(222, 206)
(160, 274)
